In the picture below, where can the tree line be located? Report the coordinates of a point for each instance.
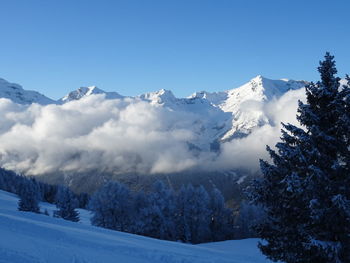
(189, 215)
(32, 191)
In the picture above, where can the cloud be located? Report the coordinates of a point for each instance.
(125, 135)
(244, 153)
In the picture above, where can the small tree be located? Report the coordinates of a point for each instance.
(66, 204)
(29, 195)
(305, 192)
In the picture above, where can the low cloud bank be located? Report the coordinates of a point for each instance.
(126, 135)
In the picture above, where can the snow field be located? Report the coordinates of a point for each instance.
(31, 238)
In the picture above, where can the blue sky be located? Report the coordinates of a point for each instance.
(135, 46)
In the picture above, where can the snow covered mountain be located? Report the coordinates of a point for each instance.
(115, 134)
(17, 94)
(219, 116)
(162, 97)
(87, 91)
(228, 114)
(245, 102)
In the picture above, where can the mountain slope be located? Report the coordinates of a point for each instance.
(32, 238)
(17, 94)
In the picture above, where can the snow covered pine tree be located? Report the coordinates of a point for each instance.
(306, 191)
(66, 204)
(29, 195)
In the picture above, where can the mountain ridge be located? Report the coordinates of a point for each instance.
(221, 115)
(213, 97)
(88, 91)
(17, 94)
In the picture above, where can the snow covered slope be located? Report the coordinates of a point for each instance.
(32, 238)
(17, 94)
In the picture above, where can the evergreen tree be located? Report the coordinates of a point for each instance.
(83, 200)
(111, 207)
(66, 204)
(29, 195)
(49, 192)
(3, 185)
(249, 215)
(305, 192)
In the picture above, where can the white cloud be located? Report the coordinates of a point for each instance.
(245, 153)
(123, 136)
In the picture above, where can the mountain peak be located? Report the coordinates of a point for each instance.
(90, 90)
(87, 91)
(258, 78)
(159, 97)
(18, 95)
(81, 92)
(266, 88)
(165, 92)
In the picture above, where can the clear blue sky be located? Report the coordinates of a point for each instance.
(134, 46)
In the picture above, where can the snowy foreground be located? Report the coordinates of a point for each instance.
(27, 237)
